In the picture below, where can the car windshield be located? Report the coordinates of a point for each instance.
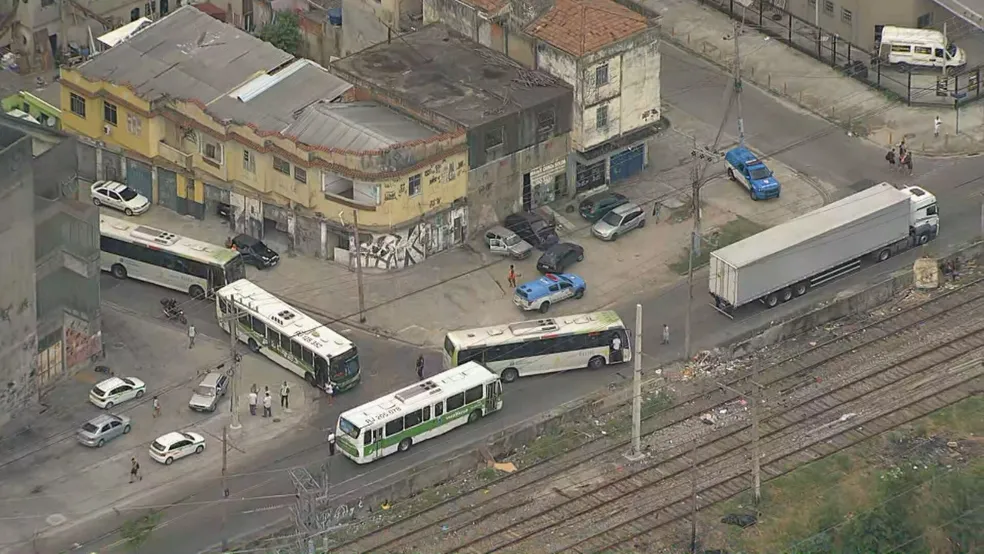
(128, 194)
(951, 49)
(522, 294)
(202, 390)
(760, 173)
(98, 391)
(158, 446)
(89, 428)
(513, 240)
(612, 218)
(539, 226)
(348, 428)
(551, 255)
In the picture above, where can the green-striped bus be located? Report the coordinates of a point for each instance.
(416, 413)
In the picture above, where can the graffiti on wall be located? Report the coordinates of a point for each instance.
(410, 246)
(80, 346)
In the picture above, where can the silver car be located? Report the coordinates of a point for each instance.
(206, 396)
(102, 429)
(504, 242)
(619, 221)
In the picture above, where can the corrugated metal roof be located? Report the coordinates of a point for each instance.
(356, 126)
(811, 225)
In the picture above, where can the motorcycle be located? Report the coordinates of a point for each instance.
(172, 311)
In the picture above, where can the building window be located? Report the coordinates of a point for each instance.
(134, 14)
(545, 123)
(601, 75)
(133, 124)
(109, 113)
(493, 139)
(846, 15)
(925, 20)
(828, 7)
(212, 151)
(415, 185)
(281, 165)
(78, 105)
(601, 117)
(249, 162)
(150, 7)
(300, 175)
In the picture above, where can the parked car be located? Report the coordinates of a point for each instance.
(206, 396)
(533, 229)
(116, 390)
(504, 242)
(619, 221)
(255, 252)
(119, 196)
(595, 207)
(744, 167)
(102, 429)
(175, 445)
(539, 294)
(559, 257)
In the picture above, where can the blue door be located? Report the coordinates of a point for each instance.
(627, 162)
(139, 178)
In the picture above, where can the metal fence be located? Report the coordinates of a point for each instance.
(914, 86)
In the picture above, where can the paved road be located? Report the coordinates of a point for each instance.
(694, 87)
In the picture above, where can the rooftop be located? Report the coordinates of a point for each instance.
(234, 76)
(580, 27)
(356, 126)
(447, 74)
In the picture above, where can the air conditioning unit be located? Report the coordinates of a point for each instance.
(107, 129)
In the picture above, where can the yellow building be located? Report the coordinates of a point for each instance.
(203, 118)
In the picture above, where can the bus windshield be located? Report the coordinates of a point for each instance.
(347, 428)
(235, 270)
(345, 366)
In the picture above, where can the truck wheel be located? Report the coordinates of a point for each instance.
(786, 294)
(772, 300)
(731, 174)
(922, 239)
(884, 254)
(509, 374)
(799, 289)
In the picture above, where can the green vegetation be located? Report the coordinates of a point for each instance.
(729, 233)
(656, 403)
(284, 32)
(136, 532)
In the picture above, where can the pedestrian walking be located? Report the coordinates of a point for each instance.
(253, 397)
(157, 407)
(331, 392)
(902, 150)
(890, 157)
(135, 470)
(331, 444)
(420, 367)
(512, 276)
(907, 163)
(666, 334)
(267, 404)
(285, 396)
(936, 126)
(191, 336)
(657, 207)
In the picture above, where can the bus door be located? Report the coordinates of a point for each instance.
(374, 449)
(493, 396)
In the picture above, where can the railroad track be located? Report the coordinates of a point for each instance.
(788, 375)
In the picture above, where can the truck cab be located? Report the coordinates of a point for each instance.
(744, 167)
(924, 214)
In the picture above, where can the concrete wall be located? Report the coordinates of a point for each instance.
(859, 26)
(18, 320)
(362, 27)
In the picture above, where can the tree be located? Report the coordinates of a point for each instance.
(284, 32)
(136, 532)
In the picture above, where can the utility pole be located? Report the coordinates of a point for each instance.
(699, 154)
(234, 363)
(693, 499)
(737, 79)
(225, 488)
(636, 453)
(756, 456)
(358, 266)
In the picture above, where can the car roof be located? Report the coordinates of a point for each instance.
(110, 383)
(744, 155)
(627, 208)
(541, 285)
(103, 419)
(500, 230)
(524, 216)
(246, 239)
(562, 246)
(211, 378)
(110, 185)
(168, 439)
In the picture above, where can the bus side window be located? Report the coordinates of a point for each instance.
(412, 419)
(438, 409)
(393, 427)
(427, 413)
(367, 437)
(473, 394)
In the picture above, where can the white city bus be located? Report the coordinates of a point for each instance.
(419, 412)
(288, 336)
(542, 345)
(166, 259)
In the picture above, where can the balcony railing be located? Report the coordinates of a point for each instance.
(175, 156)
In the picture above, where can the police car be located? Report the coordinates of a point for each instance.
(549, 289)
(745, 168)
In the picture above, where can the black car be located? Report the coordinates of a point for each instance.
(533, 229)
(559, 257)
(255, 252)
(596, 207)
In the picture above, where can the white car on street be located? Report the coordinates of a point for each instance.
(174, 445)
(119, 196)
(116, 390)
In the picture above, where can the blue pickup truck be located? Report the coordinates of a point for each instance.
(744, 167)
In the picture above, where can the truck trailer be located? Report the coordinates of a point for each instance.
(789, 259)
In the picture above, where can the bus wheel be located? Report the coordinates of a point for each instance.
(596, 362)
(404, 444)
(253, 346)
(509, 374)
(474, 416)
(118, 271)
(196, 292)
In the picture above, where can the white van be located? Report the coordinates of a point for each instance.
(919, 47)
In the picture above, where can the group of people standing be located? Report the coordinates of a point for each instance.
(903, 159)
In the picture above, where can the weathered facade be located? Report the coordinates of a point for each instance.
(608, 52)
(517, 121)
(369, 22)
(49, 298)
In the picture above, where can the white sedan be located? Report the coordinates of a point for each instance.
(116, 390)
(119, 196)
(174, 445)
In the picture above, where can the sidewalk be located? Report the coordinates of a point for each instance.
(51, 483)
(785, 72)
(467, 286)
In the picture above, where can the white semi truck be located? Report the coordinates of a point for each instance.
(787, 260)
